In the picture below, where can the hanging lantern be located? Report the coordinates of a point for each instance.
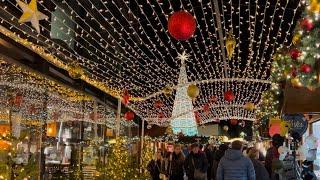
(193, 91)
(158, 104)
(249, 106)
(51, 129)
(233, 122)
(181, 25)
(274, 129)
(129, 116)
(229, 96)
(125, 97)
(75, 70)
(225, 128)
(167, 91)
(230, 44)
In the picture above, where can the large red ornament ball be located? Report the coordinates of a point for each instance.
(295, 53)
(129, 116)
(181, 25)
(307, 24)
(229, 96)
(305, 68)
(233, 122)
(274, 129)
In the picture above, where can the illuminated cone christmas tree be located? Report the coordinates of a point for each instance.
(183, 117)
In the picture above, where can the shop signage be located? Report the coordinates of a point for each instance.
(298, 123)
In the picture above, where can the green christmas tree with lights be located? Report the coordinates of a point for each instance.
(119, 165)
(300, 64)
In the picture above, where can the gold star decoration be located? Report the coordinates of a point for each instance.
(31, 14)
(183, 57)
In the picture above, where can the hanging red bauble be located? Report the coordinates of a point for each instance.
(129, 116)
(213, 99)
(295, 53)
(229, 96)
(181, 25)
(206, 108)
(158, 104)
(161, 115)
(274, 129)
(307, 24)
(233, 122)
(305, 68)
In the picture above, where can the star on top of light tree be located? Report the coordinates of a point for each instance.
(31, 14)
(183, 57)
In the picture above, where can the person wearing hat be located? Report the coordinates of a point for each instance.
(196, 164)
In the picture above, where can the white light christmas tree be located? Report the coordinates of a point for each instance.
(183, 117)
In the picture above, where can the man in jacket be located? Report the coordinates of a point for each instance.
(235, 166)
(175, 164)
(196, 161)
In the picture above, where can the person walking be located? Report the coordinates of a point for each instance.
(175, 164)
(234, 165)
(196, 164)
(260, 170)
(156, 167)
(209, 154)
(216, 159)
(272, 156)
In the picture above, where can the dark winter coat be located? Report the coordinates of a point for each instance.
(216, 159)
(155, 168)
(260, 170)
(200, 162)
(235, 166)
(175, 167)
(272, 154)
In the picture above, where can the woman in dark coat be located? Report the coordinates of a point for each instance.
(216, 159)
(261, 171)
(156, 166)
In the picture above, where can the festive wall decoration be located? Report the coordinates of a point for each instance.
(181, 25)
(140, 55)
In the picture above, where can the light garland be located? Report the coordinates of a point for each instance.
(127, 46)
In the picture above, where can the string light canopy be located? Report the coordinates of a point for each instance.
(123, 44)
(37, 99)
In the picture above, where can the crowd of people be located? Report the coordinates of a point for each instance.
(195, 162)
